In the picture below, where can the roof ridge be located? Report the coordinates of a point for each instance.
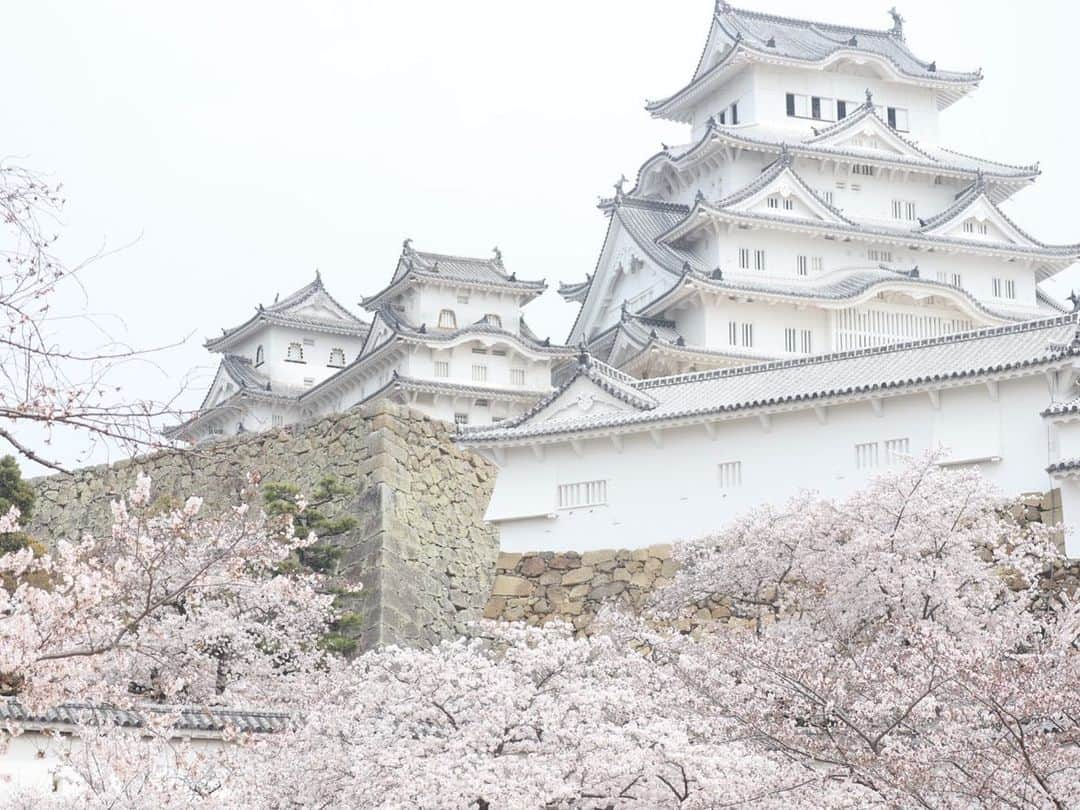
(1033, 166)
(890, 348)
(779, 18)
(453, 257)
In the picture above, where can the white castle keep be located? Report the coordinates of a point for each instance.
(809, 289)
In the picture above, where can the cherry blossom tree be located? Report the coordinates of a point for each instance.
(901, 641)
(897, 649)
(45, 383)
(170, 606)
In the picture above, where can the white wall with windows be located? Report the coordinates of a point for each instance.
(745, 462)
(763, 93)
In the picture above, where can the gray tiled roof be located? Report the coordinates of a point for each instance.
(931, 159)
(415, 265)
(285, 312)
(576, 291)
(836, 286)
(191, 719)
(1037, 249)
(750, 35)
(885, 369)
(1064, 466)
(814, 41)
(645, 220)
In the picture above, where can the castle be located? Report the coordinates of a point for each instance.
(809, 289)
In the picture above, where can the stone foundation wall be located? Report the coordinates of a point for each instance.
(537, 588)
(420, 549)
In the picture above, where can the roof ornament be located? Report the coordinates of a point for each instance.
(583, 359)
(435, 267)
(932, 67)
(547, 341)
(423, 329)
(915, 272)
(498, 255)
(406, 246)
(897, 24)
(717, 275)
(277, 296)
(664, 146)
(722, 7)
(700, 196)
(652, 334)
(1074, 298)
(854, 41)
(686, 268)
(619, 186)
(318, 276)
(869, 98)
(681, 341)
(513, 276)
(770, 42)
(786, 158)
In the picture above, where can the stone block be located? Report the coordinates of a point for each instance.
(661, 552)
(593, 558)
(507, 561)
(511, 586)
(577, 576)
(533, 567)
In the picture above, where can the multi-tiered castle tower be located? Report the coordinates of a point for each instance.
(812, 210)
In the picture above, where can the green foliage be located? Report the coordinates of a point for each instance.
(16, 492)
(324, 556)
(282, 499)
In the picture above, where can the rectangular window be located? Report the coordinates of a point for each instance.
(898, 118)
(789, 204)
(904, 209)
(950, 278)
(309, 341)
(517, 376)
(462, 298)
(863, 169)
(841, 185)
(483, 403)
(583, 494)
(806, 341)
(744, 258)
(461, 419)
(748, 334)
(479, 373)
(827, 196)
(817, 264)
(856, 187)
(277, 420)
(879, 255)
(723, 117)
(309, 381)
(1004, 288)
(897, 451)
(730, 474)
(815, 108)
(789, 340)
(791, 105)
(866, 456)
(740, 334)
(479, 351)
(759, 259)
(735, 114)
(801, 266)
(774, 202)
(498, 352)
(442, 368)
(841, 110)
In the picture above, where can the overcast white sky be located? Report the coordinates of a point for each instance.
(244, 143)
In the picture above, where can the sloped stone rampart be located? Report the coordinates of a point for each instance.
(420, 549)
